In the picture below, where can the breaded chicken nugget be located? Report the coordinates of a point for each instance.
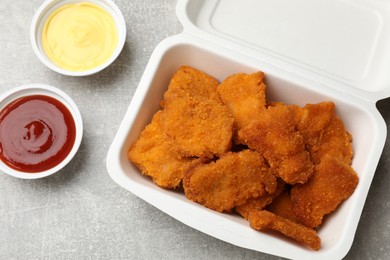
(190, 82)
(283, 206)
(260, 202)
(332, 182)
(325, 133)
(335, 141)
(244, 95)
(274, 135)
(153, 155)
(322, 130)
(230, 181)
(198, 127)
(265, 220)
(295, 110)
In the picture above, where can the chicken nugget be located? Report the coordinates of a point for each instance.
(333, 182)
(153, 155)
(325, 133)
(296, 111)
(336, 141)
(198, 127)
(230, 181)
(190, 82)
(283, 206)
(260, 202)
(265, 220)
(274, 135)
(244, 95)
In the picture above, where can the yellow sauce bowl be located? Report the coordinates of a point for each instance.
(78, 38)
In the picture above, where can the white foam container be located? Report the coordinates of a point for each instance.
(311, 51)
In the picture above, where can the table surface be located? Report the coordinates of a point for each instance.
(80, 213)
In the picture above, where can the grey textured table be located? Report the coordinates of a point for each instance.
(80, 213)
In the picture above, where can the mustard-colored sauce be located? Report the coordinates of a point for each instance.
(79, 37)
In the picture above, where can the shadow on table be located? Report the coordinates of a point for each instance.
(116, 71)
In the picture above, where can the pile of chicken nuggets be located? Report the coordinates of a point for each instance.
(280, 166)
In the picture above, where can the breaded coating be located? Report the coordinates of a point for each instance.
(265, 220)
(332, 182)
(295, 110)
(230, 181)
(325, 133)
(195, 117)
(283, 206)
(336, 141)
(244, 95)
(282, 167)
(198, 127)
(274, 135)
(190, 82)
(153, 155)
(260, 202)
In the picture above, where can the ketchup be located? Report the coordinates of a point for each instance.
(37, 132)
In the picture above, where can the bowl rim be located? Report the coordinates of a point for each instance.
(47, 7)
(59, 95)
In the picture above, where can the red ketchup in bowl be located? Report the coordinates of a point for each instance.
(37, 132)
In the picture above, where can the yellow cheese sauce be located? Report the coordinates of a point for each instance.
(80, 36)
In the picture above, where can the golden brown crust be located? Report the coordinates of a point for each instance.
(259, 203)
(198, 127)
(195, 118)
(189, 141)
(190, 82)
(283, 206)
(152, 153)
(274, 135)
(230, 181)
(265, 220)
(325, 133)
(244, 95)
(332, 182)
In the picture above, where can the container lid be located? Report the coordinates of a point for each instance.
(344, 44)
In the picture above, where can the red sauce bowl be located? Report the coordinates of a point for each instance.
(40, 131)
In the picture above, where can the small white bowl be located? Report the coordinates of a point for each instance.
(50, 6)
(42, 89)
